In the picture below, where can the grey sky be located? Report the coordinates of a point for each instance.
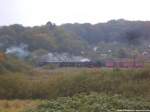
(37, 12)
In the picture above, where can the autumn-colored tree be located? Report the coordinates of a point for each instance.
(2, 57)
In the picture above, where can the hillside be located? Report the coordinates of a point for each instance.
(116, 38)
(46, 37)
(113, 31)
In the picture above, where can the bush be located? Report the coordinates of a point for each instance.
(12, 64)
(91, 103)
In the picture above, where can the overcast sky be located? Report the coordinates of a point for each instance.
(37, 12)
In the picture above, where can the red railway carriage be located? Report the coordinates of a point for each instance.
(124, 63)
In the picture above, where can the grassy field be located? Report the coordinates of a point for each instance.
(92, 102)
(129, 87)
(18, 105)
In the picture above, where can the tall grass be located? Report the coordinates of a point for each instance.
(68, 82)
(18, 105)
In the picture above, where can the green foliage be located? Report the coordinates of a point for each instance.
(75, 38)
(12, 64)
(130, 32)
(91, 103)
(40, 37)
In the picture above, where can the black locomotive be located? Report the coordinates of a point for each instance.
(89, 64)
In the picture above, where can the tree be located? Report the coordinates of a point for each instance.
(2, 57)
(122, 53)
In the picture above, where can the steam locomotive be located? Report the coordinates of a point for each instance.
(124, 63)
(89, 64)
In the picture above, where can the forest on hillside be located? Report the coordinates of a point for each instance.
(114, 39)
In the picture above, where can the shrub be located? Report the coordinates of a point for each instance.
(91, 103)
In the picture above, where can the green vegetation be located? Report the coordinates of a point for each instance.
(51, 38)
(14, 65)
(45, 84)
(71, 89)
(113, 39)
(91, 103)
(74, 89)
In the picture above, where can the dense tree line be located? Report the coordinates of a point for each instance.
(75, 38)
(114, 30)
(46, 37)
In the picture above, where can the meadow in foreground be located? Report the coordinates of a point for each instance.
(64, 88)
(92, 103)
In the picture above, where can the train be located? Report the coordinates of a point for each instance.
(89, 64)
(119, 63)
